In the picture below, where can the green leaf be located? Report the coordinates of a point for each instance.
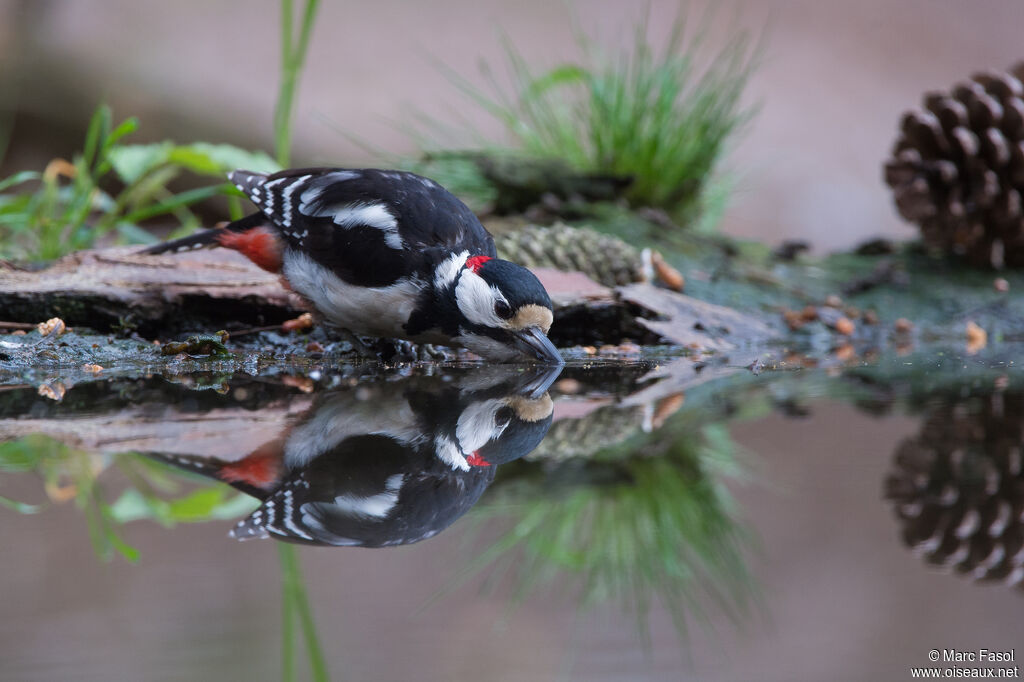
(217, 159)
(204, 504)
(132, 505)
(175, 202)
(18, 178)
(234, 507)
(20, 507)
(132, 162)
(569, 74)
(126, 127)
(197, 506)
(99, 129)
(124, 549)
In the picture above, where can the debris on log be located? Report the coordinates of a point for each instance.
(688, 321)
(204, 291)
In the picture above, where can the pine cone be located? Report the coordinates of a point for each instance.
(603, 258)
(958, 488)
(957, 169)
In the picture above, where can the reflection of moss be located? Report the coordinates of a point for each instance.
(649, 520)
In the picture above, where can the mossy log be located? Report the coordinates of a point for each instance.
(160, 296)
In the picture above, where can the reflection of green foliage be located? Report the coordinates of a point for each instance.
(155, 491)
(294, 602)
(663, 118)
(648, 520)
(59, 216)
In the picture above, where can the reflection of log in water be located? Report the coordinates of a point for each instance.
(958, 487)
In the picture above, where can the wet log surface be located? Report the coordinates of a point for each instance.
(203, 291)
(112, 288)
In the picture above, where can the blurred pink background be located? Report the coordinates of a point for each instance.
(834, 80)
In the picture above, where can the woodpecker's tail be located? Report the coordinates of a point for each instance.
(207, 238)
(254, 474)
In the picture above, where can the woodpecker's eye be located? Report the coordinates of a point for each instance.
(502, 310)
(503, 416)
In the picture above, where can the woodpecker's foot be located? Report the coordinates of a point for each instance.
(360, 348)
(429, 351)
(398, 350)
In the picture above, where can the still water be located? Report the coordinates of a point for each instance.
(657, 519)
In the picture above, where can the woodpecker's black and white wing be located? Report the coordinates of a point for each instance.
(368, 491)
(369, 227)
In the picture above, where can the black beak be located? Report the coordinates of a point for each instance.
(535, 386)
(535, 344)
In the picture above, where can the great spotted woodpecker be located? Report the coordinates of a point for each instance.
(392, 463)
(388, 254)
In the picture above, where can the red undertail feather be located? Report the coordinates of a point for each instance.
(260, 468)
(474, 263)
(260, 245)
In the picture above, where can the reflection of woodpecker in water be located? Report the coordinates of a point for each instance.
(958, 487)
(389, 463)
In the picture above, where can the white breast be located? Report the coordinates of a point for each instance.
(371, 311)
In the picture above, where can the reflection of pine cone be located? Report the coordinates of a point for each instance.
(958, 169)
(602, 428)
(603, 258)
(958, 488)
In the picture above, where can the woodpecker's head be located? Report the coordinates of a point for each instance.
(503, 311)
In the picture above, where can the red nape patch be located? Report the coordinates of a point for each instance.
(260, 468)
(476, 262)
(260, 245)
(475, 460)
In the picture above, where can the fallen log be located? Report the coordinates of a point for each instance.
(203, 291)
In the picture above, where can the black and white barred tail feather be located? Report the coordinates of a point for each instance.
(205, 466)
(207, 238)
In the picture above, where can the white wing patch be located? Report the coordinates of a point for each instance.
(275, 197)
(317, 187)
(373, 215)
(372, 311)
(289, 517)
(286, 195)
(374, 506)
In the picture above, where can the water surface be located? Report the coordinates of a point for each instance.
(654, 519)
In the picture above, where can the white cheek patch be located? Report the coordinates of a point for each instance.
(373, 311)
(476, 298)
(477, 425)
